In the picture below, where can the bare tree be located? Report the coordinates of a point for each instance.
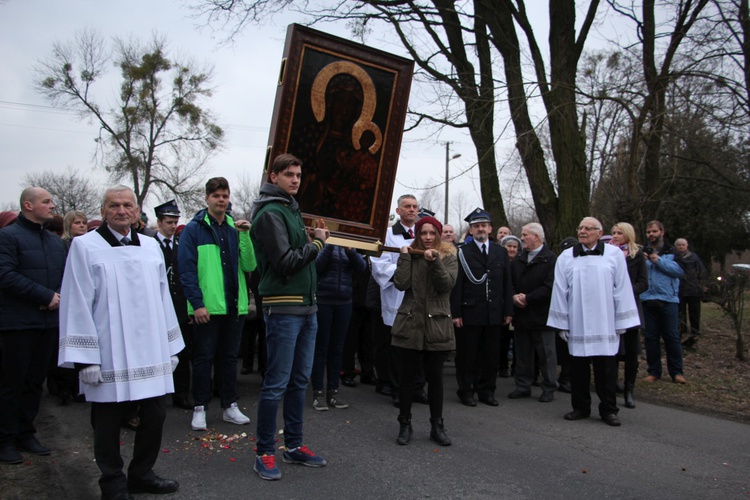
(451, 43)
(156, 135)
(69, 190)
(244, 193)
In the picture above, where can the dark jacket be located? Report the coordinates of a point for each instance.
(691, 285)
(285, 253)
(485, 303)
(638, 273)
(32, 261)
(534, 279)
(424, 321)
(336, 267)
(173, 279)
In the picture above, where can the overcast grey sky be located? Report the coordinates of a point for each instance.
(35, 137)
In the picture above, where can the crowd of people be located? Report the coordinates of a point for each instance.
(220, 288)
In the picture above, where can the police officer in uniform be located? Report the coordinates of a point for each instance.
(167, 219)
(481, 302)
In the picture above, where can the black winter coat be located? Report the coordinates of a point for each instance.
(32, 261)
(534, 279)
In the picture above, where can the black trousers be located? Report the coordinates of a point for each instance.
(146, 448)
(476, 359)
(359, 343)
(384, 353)
(605, 382)
(541, 343)
(26, 359)
(690, 310)
(412, 363)
(181, 375)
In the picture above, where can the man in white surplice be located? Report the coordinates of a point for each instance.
(119, 328)
(592, 305)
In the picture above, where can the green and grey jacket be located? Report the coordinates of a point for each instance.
(286, 254)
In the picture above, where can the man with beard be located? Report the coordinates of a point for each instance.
(661, 306)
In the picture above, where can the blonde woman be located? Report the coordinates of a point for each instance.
(75, 223)
(623, 236)
(423, 329)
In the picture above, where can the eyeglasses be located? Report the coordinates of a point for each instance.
(588, 228)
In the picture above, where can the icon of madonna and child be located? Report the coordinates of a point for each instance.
(338, 132)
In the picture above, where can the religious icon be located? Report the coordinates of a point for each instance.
(340, 109)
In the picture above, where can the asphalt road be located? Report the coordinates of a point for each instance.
(521, 449)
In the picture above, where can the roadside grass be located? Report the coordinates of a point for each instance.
(718, 383)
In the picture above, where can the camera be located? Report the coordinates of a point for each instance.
(648, 250)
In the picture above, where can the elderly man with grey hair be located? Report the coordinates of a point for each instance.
(533, 273)
(592, 305)
(118, 326)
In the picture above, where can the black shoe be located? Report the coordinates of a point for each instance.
(385, 390)
(367, 380)
(611, 419)
(122, 495)
(468, 400)
(629, 401)
(437, 433)
(157, 486)
(518, 394)
(489, 400)
(546, 397)
(577, 415)
(564, 386)
(690, 341)
(396, 399)
(9, 455)
(348, 381)
(405, 431)
(31, 445)
(421, 397)
(182, 402)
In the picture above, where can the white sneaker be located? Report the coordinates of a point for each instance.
(199, 419)
(234, 415)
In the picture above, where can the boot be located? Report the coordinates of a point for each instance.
(405, 430)
(631, 372)
(438, 434)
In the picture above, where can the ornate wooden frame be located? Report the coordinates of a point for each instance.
(328, 85)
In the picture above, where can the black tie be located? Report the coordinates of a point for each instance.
(125, 241)
(484, 250)
(167, 244)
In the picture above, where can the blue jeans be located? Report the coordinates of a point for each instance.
(333, 325)
(661, 319)
(219, 340)
(290, 342)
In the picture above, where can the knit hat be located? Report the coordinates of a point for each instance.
(428, 220)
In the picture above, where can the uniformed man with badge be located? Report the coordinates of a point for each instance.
(167, 219)
(481, 302)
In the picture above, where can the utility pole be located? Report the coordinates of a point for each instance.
(448, 158)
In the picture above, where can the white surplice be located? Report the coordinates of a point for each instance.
(383, 269)
(116, 311)
(592, 298)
